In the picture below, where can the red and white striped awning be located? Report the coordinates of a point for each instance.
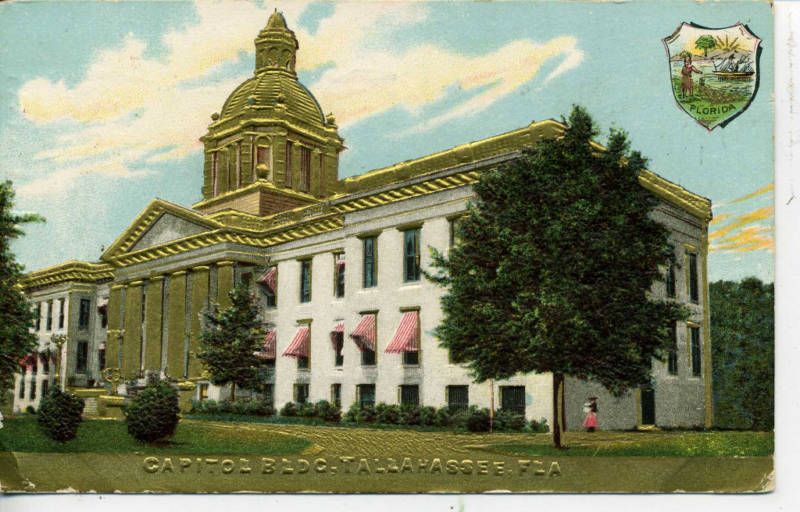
(364, 333)
(269, 279)
(268, 349)
(338, 328)
(406, 338)
(300, 345)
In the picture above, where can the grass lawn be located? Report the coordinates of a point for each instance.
(650, 444)
(109, 436)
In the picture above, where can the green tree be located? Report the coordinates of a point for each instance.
(705, 43)
(230, 338)
(555, 259)
(743, 330)
(16, 315)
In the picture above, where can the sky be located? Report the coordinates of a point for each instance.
(102, 103)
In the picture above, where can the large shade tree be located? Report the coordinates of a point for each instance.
(553, 270)
(743, 323)
(229, 341)
(16, 315)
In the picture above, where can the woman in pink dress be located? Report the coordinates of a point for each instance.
(590, 409)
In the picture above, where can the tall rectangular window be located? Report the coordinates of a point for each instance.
(370, 261)
(301, 393)
(338, 347)
(455, 230)
(409, 395)
(305, 169)
(33, 388)
(694, 288)
(512, 398)
(22, 386)
(411, 357)
(305, 281)
(49, 317)
(46, 364)
(365, 394)
(287, 174)
(37, 322)
(81, 356)
(101, 359)
(45, 387)
(411, 255)
(83, 313)
(457, 398)
(269, 394)
(338, 274)
(368, 357)
(670, 278)
(336, 394)
(672, 357)
(61, 313)
(303, 362)
(695, 341)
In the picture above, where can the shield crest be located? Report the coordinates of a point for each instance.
(713, 71)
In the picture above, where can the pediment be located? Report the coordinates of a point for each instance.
(166, 228)
(160, 223)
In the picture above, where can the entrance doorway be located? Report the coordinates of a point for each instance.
(648, 406)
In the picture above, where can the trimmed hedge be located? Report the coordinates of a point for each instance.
(60, 415)
(244, 407)
(152, 414)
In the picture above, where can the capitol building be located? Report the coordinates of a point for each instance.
(336, 265)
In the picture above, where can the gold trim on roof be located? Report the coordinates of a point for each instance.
(70, 271)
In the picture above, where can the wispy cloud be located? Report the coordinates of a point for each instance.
(745, 232)
(135, 106)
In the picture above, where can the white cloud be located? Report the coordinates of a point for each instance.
(131, 108)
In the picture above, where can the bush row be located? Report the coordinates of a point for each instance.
(249, 407)
(473, 419)
(322, 410)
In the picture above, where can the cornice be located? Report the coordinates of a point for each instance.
(70, 271)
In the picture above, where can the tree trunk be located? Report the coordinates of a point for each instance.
(233, 391)
(491, 405)
(558, 380)
(563, 404)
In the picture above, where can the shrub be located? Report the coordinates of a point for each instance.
(326, 411)
(30, 410)
(427, 416)
(351, 416)
(444, 417)
(152, 414)
(290, 409)
(505, 420)
(305, 410)
(224, 406)
(410, 415)
(478, 420)
(388, 414)
(539, 426)
(366, 414)
(60, 415)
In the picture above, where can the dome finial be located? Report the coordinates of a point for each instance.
(276, 20)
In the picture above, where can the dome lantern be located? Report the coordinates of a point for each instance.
(276, 46)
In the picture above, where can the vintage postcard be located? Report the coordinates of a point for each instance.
(386, 247)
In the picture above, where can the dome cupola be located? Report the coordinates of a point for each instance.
(270, 148)
(276, 46)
